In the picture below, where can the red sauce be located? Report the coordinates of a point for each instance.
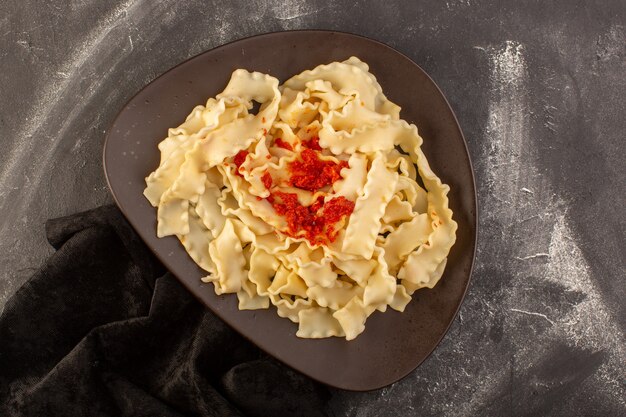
(319, 203)
(267, 180)
(336, 208)
(240, 159)
(313, 173)
(282, 144)
(313, 143)
(316, 221)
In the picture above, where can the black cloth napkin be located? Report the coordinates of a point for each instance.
(102, 329)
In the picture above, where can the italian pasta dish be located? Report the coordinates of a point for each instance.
(312, 196)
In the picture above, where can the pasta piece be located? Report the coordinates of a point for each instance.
(383, 105)
(179, 141)
(318, 322)
(354, 115)
(398, 210)
(420, 267)
(351, 186)
(380, 287)
(239, 134)
(209, 210)
(173, 218)
(288, 282)
(318, 273)
(352, 318)
(191, 176)
(405, 239)
(196, 242)
(227, 254)
(263, 267)
(290, 309)
(345, 78)
(324, 91)
(401, 299)
(295, 110)
(158, 182)
(402, 162)
(250, 299)
(382, 136)
(334, 297)
(365, 220)
(357, 269)
(434, 277)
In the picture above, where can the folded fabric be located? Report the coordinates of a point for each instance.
(103, 330)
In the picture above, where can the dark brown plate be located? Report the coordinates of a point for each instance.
(393, 343)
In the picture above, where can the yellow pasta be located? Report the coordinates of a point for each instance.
(312, 205)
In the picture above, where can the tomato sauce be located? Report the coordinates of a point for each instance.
(313, 143)
(282, 144)
(313, 173)
(267, 180)
(240, 159)
(314, 222)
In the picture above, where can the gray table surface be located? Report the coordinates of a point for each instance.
(538, 88)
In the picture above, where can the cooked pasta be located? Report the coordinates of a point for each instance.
(312, 204)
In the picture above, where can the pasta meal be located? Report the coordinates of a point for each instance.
(313, 196)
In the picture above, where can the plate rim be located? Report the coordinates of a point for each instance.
(474, 193)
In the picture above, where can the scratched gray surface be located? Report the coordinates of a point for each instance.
(539, 92)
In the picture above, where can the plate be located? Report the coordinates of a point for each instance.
(393, 344)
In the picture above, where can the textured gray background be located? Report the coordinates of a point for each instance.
(539, 92)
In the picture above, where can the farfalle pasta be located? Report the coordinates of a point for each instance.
(321, 204)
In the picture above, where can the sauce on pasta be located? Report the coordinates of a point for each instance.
(312, 173)
(312, 205)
